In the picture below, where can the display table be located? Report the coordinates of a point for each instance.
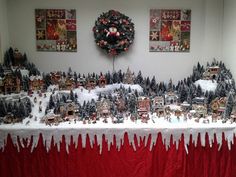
(140, 150)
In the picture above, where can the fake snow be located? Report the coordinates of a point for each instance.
(32, 127)
(207, 85)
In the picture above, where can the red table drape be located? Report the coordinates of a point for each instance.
(88, 162)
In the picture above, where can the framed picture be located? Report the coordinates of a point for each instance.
(56, 30)
(169, 30)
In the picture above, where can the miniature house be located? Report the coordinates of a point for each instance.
(129, 77)
(143, 105)
(68, 109)
(185, 106)
(200, 110)
(69, 84)
(81, 82)
(218, 105)
(103, 108)
(10, 84)
(171, 98)
(211, 72)
(55, 77)
(102, 81)
(91, 83)
(51, 119)
(36, 83)
(158, 105)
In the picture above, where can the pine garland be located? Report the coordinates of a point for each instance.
(113, 32)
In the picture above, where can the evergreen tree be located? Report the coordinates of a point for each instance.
(132, 104)
(229, 105)
(72, 97)
(199, 91)
(139, 78)
(21, 111)
(170, 85)
(115, 77)
(220, 90)
(153, 84)
(3, 110)
(108, 77)
(51, 103)
(183, 94)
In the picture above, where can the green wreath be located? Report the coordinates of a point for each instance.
(113, 32)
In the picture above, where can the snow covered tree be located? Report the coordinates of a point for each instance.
(139, 78)
(170, 86)
(108, 77)
(199, 91)
(211, 96)
(153, 84)
(183, 94)
(132, 102)
(100, 96)
(220, 90)
(72, 97)
(115, 77)
(64, 99)
(229, 104)
(51, 103)
(120, 76)
(21, 110)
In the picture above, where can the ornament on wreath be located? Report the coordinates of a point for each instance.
(113, 32)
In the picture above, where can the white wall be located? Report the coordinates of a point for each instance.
(4, 41)
(229, 35)
(206, 36)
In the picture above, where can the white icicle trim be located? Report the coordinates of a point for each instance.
(20, 136)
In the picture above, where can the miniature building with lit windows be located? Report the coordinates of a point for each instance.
(10, 84)
(102, 81)
(36, 83)
(218, 105)
(143, 105)
(70, 83)
(81, 82)
(211, 72)
(68, 109)
(55, 77)
(103, 108)
(158, 105)
(200, 110)
(171, 98)
(90, 83)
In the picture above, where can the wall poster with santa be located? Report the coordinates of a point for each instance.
(169, 30)
(56, 30)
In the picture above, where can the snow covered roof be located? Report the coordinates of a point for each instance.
(185, 104)
(35, 77)
(214, 67)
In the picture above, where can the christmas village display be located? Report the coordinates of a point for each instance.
(27, 96)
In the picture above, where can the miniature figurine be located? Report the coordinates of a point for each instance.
(27, 123)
